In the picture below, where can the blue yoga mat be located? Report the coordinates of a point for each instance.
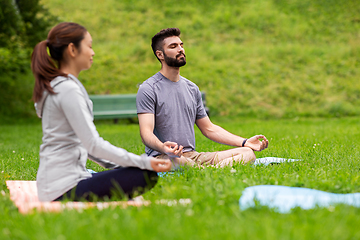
(283, 198)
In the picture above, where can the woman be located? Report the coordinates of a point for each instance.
(69, 134)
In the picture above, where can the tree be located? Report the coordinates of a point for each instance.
(23, 23)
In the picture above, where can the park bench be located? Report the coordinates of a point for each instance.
(120, 106)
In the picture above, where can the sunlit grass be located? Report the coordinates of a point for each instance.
(329, 162)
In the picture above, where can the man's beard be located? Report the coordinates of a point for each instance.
(175, 62)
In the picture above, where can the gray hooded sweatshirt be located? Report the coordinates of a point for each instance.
(70, 138)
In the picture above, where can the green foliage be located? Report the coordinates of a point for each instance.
(329, 162)
(23, 23)
(37, 20)
(10, 22)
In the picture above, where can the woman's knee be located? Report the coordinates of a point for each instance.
(153, 178)
(143, 181)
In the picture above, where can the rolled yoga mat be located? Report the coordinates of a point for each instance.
(283, 198)
(273, 160)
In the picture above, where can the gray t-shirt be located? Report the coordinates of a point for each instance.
(176, 106)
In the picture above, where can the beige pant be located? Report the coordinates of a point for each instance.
(219, 159)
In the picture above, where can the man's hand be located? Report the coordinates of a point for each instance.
(160, 165)
(255, 144)
(172, 149)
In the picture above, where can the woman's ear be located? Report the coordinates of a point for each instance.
(71, 50)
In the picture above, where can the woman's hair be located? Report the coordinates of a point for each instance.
(46, 67)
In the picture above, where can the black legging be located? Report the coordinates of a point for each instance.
(121, 182)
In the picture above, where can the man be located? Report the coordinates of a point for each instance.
(168, 106)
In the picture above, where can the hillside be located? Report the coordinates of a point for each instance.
(264, 58)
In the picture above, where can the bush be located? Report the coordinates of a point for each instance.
(23, 23)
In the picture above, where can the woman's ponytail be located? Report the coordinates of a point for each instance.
(44, 70)
(45, 67)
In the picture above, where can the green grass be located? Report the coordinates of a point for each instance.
(331, 165)
(264, 58)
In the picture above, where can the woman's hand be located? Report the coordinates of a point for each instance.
(160, 165)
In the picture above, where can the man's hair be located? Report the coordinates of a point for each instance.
(157, 40)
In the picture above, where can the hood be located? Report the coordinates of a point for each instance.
(56, 81)
(39, 105)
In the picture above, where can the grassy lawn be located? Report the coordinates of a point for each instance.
(330, 157)
(265, 58)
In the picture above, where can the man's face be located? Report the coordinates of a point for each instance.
(174, 53)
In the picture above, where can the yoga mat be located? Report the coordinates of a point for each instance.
(273, 160)
(283, 198)
(24, 195)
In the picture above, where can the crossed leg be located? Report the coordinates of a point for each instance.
(242, 155)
